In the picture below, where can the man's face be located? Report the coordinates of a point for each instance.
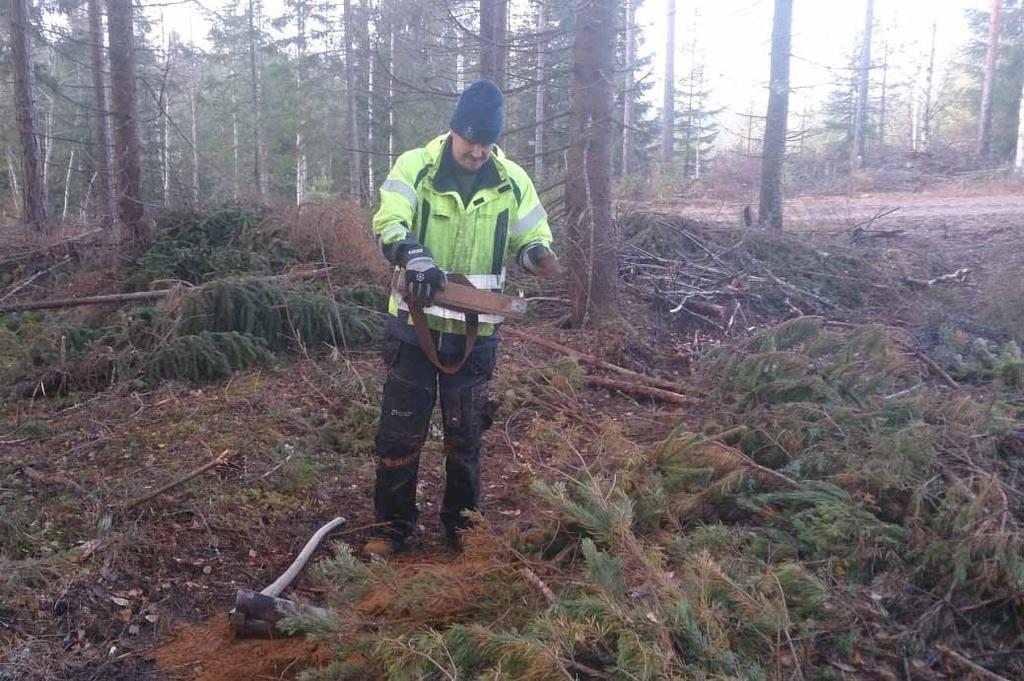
(470, 156)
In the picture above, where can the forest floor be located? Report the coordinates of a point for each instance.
(93, 590)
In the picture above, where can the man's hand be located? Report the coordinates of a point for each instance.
(541, 261)
(423, 279)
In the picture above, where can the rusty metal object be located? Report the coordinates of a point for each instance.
(461, 296)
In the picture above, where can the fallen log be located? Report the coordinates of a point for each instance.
(54, 303)
(590, 359)
(221, 458)
(84, 300)
(643, 390)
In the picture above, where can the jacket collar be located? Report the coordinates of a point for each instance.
(491, 174)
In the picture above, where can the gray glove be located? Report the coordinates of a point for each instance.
(423, 279)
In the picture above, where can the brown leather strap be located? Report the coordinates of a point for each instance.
(419, 322)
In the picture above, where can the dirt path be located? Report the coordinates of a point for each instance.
(847, 210)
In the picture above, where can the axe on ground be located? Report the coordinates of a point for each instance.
(256, 615)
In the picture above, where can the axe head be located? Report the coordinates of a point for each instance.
(257, 615)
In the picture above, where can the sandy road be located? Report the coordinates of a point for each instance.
(940, 210)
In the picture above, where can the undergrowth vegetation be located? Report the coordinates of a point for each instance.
(242, 311)
(196, 247)
(835, 513)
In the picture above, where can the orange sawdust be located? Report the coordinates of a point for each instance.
(209, 652)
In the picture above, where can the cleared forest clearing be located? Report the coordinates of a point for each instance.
(838, 495)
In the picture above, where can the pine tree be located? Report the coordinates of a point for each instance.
(1008, 77)
(696, 127)
(34, 186)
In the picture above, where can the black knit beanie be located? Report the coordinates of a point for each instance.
(478, 116)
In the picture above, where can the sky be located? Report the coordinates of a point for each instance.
(734, 39)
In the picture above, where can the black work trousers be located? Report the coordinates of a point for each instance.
(409, 394)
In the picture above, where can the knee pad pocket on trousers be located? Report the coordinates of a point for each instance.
(468, 412)
(405, 412)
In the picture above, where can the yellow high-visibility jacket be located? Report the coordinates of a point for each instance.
(420, 200)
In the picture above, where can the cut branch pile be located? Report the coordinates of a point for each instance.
(714, 275)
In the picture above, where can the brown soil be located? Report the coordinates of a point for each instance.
(209, 652)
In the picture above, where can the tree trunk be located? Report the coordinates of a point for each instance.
(164, 103)
(126, 143)
(165, 148)
(916, 141)
(882, 102)
(691, 115)
(300, 124)
(460, 58)
(12, 178)
(1018, 161)
(256, 75)
(370, 179)
(34, 192)
(501, 47)
(538, 108)
(593, 279)
(668, 105)
(698, 160)
(627, 93)
(487, 52)
(195, 132)
(991, 58)
(67, 184)
(234, 139)
(770, 209)
(860, 116)
(926, 123)
(106, 208)
(493, 45)
(391, 90)
(351, 121)
(365, 50)
(46, 141)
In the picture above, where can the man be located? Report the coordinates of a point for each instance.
(457, 205)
